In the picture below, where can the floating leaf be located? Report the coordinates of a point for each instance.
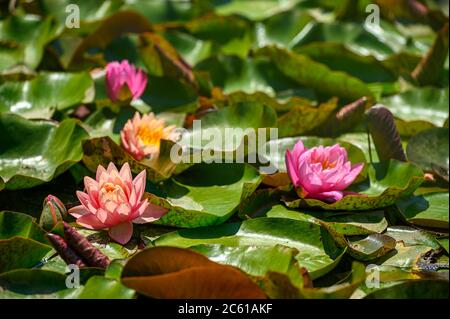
(316, 75)
(29, 34)
(205, 194)
(426, 289)
(418, 109)
(26, 162)
(169, 272)
(426, 210)
(47, 92)
(429, 150)
(315, 255)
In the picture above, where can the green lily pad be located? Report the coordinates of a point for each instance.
(28, 35)
(413, 289)
(18, 224)
(345, 223)
(249, 75)
(411, 236)
(26, 162)
(22, 242)
(248, 258)
(254, 10)
(47, 92)
(19, 252)
(418, 109)
(205, 194)
(426, 210)
(33, 283)
(98, 287)
(429, 150)
(386, 184)
(317, 76)
(317, 256)
(221, 133)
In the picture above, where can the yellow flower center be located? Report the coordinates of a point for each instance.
(150, 136)
(109, 187)
(327, 165)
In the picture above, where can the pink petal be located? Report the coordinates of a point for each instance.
(100, 170)
(125, 173)
(78, 211)
(292, 168)
(150, 214)
(351, 176)
(298, 150)
(90, 221)
(329, 197)
(112, 168)
(139, 186)
(121, 233)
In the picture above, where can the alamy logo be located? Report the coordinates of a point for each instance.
(226, 145)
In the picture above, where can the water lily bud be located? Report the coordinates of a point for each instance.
(53, 211)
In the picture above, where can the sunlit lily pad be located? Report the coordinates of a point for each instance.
(317, 256)
(47, 92)
(426, 210)
(205, 194)
(26, 162)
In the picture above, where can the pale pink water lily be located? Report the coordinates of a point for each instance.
(141, 136)
(321, 172)
(115, 201)
(124, 81)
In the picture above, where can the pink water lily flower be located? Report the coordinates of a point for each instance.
(321, 172)
(141, 136)
(114, 200)
(124, 81)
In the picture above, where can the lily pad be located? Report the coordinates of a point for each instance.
(26, 162)
(317, 256)
(47, 92)
(426, 210)
(29, 34)
(222, 133)
(386, 184)
(205, 194)
(418, 109)
(429, 150)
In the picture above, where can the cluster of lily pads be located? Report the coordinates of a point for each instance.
(357, 206)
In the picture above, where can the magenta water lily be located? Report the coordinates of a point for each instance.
(124, 81)
(114, 200)
(321, 172)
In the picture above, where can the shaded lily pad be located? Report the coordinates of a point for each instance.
(317, 256)
(26, 162)
(420, 289)
(386, 184)
(205, 194)
(429, 150)
(47, 92)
